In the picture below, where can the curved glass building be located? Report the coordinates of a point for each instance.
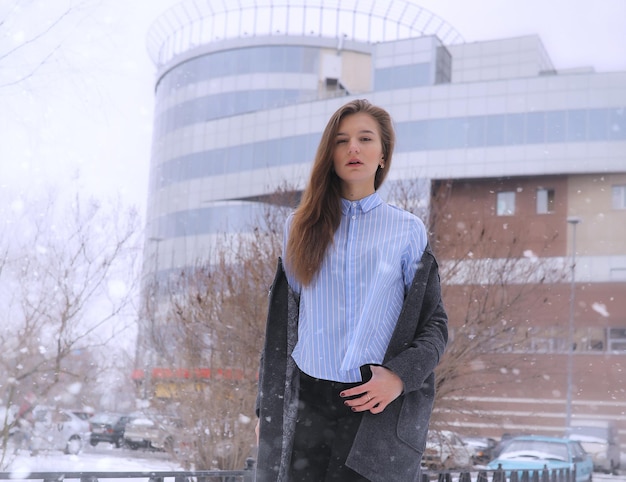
(244, 90)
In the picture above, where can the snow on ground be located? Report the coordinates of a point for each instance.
(102, 458)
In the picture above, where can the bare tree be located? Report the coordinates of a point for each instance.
(67, 283)
(217, 314)
(211, 337)
(493, 283)
(36, 35)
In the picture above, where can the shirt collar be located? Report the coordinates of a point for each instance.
(366, 204)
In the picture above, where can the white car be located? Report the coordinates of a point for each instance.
(446, 450)
(600, 440)
(51, 428)
(158, 433)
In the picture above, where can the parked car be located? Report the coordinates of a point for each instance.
(481, 448)
(51, 428)
(108, 427)
(159, 433)
(601, 440)
(533, 453)
(83, 414)
(505, 439)
(446, 450)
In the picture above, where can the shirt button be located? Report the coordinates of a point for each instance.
(353, 217)
(353, 205)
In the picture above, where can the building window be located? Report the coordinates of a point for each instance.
(619, 197)
(549, 340)
(334, 87)
(505, 203)
(592, 339)
(617, 339)
(545, 201)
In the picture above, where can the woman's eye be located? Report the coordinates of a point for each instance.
(340, 141)
(365, 139)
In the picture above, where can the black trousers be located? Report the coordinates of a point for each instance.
(325, 430)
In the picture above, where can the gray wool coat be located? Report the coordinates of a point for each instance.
(388, 446)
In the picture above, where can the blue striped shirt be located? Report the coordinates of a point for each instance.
(349, 311)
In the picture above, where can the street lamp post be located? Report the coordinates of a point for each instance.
(573, 220)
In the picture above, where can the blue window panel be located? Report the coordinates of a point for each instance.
(598, 128)
(402, 76)
(216, 106)
(272, 153)
(245, 62)
(212, 163)
(422, 74)
(311, 141)
(437, 134)
(244, 157)
(403, 136)
(191, 166)
(457, 133)
(555, 126)
(535, 127)
(617, 124)
(276, 61)
(210, 220)
(494, 134)
(251, 60)
(260, 153)
(418, 135)
(293, 96)
(224, 64)
(515, 128)
(476, 131)
(576, 125)
(413, 136)
(181, 115)
(383, 80)
(288, 150)
(232, 159)
(291, 59)
(246, 154)
(219, 165)
(309, 61)
(242, 61)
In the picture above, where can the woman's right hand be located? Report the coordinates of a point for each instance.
(382, 389)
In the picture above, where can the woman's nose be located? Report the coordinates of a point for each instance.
(354, 146)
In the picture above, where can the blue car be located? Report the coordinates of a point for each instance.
(533, 453)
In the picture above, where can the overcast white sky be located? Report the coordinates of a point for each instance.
(85, 118)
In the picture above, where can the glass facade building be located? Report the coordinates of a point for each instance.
(243, 92)
(239, 110)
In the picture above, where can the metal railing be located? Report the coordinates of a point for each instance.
(500, 475)
(247, 475)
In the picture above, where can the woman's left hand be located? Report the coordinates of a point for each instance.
(382, 389)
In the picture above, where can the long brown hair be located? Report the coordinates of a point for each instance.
(318, 216)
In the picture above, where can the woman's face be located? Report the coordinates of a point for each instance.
(357, 154)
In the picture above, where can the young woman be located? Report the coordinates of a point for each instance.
(355, 324)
